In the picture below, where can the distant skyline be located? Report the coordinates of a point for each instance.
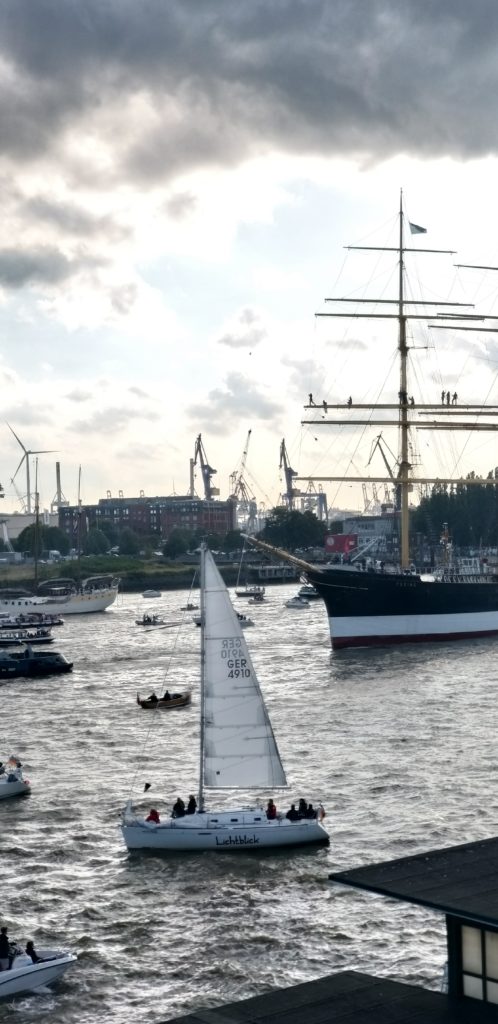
(179, 181)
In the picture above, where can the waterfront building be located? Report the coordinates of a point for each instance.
(146, 516)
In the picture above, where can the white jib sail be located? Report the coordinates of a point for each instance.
(239, 746)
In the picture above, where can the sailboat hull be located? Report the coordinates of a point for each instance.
(220, 832)
(367, 609)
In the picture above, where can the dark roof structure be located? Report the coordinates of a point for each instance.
(461, 880)
(346, 998)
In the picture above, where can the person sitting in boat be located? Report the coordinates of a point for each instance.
(178, 808)
(4, 949)
(31, 952)
(153, 816)
(292, 814)
(192, 804)
(310, 811)
(153, 698)
(167, 695)
(271, 810)
(302, 808)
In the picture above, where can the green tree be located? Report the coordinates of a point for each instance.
(178, 543)
(95, 543)
(129, 542)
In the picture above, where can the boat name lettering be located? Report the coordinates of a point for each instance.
(237, 841)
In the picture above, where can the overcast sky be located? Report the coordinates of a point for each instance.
(179, 180)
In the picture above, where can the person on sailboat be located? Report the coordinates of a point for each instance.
(302, 808)
(192, 804)
(153, 816)
(178, 808)
(292, 814)
(271, 811)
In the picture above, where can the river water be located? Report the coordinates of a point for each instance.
(400, 745)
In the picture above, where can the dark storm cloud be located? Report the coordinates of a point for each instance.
(227, 80)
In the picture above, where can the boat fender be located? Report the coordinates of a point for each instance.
(321, 813)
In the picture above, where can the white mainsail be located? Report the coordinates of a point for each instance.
(238, 746)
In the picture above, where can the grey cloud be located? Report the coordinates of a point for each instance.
(306, 376)
(123, 299)
(180, 205)
(70, 218)
(110, 421)
(249, 334)
(138, 392)
(240, 400)
(225, 81)
(78, 395)
(43, 265)
(38, 266)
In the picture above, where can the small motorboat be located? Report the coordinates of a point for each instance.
(12, 781)
(257, 599)
(152, 593)
(170, 700)
(309, 592)
(150, 620)
(26, 976)
(189, 607)
(297, 602)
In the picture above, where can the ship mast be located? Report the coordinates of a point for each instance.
(404, 465)
(442, 315)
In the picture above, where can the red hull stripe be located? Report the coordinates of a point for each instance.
(339, 643)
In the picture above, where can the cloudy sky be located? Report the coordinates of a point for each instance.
(178, 182)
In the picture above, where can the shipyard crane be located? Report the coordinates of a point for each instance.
(207, 471)
(247, 509)
(381, 444)
(290, 491)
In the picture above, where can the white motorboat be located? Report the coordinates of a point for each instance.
(244, 620)
(26, 976)
(63, 596)
(238, 748)
(309, 592)
(297, 602)
(152, 593)
(12, 781)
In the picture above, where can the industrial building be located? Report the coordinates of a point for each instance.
(157, 516)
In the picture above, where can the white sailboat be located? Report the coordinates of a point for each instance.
(237, 750)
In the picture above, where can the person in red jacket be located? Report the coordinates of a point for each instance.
(153, 816)
(271, 811)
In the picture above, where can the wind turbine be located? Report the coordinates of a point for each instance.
(27, 452)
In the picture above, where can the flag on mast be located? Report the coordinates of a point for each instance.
(416, 229)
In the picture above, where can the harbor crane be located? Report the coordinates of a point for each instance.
(291, 492)
(247, 509)
(207, 471)
(381, 444)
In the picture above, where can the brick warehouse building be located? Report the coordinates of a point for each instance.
(152, 516)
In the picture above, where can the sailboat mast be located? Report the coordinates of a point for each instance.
(404, 465)
(203, 673)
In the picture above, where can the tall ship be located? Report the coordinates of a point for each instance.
(379, 604)
(62, 597)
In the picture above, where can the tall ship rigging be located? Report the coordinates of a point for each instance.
(396, 604)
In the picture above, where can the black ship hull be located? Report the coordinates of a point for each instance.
(375, 608)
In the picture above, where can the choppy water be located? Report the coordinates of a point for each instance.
(399, 744)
